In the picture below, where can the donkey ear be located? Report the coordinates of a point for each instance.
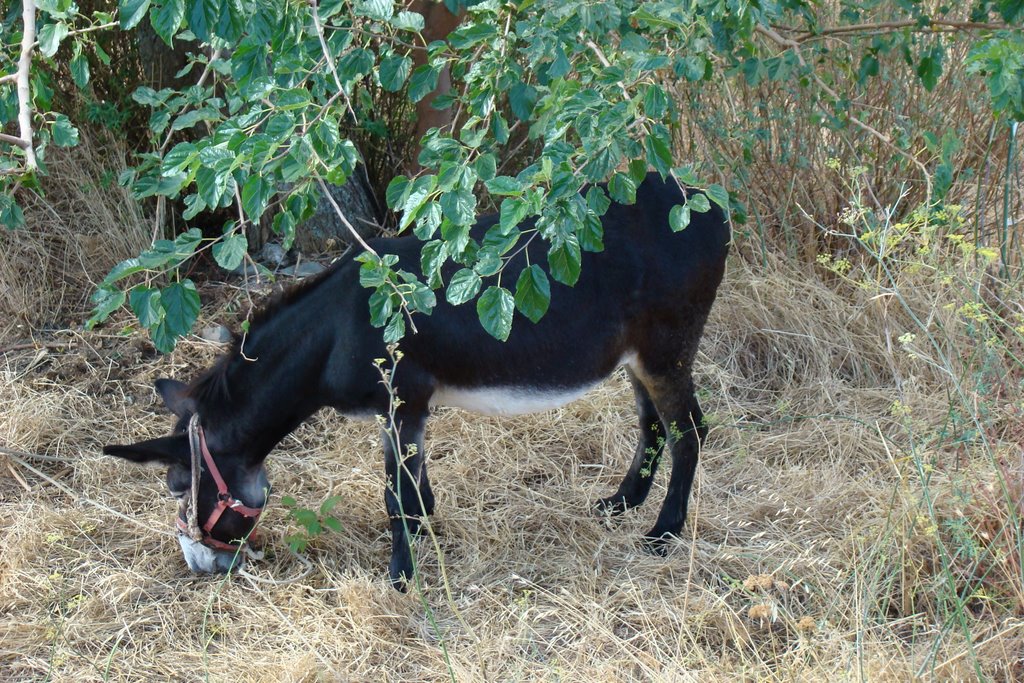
(169, 450)
(175, 396)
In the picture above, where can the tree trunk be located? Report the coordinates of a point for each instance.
(325, 231)
(438, 23)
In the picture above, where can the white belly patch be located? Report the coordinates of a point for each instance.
(515, 400)
(506, 400)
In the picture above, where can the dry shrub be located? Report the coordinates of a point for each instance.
(82, 226)
(768, 143)
(812, 551)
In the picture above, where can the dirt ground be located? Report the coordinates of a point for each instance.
(823, 541)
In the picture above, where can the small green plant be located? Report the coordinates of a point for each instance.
(312, 522)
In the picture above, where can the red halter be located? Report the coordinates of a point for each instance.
(225, 501)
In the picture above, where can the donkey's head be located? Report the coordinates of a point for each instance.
(222, 489)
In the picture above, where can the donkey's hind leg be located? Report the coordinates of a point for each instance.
(687, 432)
(407, 494)
(637, 483)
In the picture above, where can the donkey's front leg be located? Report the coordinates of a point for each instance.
(637, 483)
(407, 494)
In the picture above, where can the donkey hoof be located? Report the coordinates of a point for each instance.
(400, 576)
(657, 544)
(612, 506)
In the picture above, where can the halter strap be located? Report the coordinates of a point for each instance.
(225, 501)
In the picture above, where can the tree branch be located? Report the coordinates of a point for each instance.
(12, 140)
(28, 38)
(925, 25)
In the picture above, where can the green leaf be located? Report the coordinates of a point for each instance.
(693, 68)
(513, 211)
(655, 102)
(230, 251)
(428, 221)
(488, 263)
(105, 301)
(395, 328)
(1011, 10)
(564, 260)
(202, 17)
(179, 158)
(423, 82)
(131, 12)
(329, 504)
(495, 308)
(50, 36)
(381, 305)
(432, 256)
(597, 200)
(248, 63)
(522, 98)
(561, 66)
(397, 192)
(464, 285)
(333, 523)
(679, 217)
(166, 19)
(719, 195)
(212, 184)
(79, 67)
(393, 72)
(230, 20)
(459, 206)
(64, 134)
(659, 152)
(533, 292)
(408, 21)
(499, 128)
(181, 303)
(591, 234)
(929, 69)
(753, 71)
(256, 194)
(145, 303)
(868, 68)
(288, 501)
(456, 236)
(699, 203)
(11, 215)
(374, 9)
(486, 166)
(622, 189)
(504, 185)
(638, 167)
(418, 193)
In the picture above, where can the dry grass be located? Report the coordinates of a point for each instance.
(84, 225)
(814, 552)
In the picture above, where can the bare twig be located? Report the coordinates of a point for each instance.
(605, 63)
(88, 29)
(202, 80)
(344, 221)
(35, 346)
(327, 55)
